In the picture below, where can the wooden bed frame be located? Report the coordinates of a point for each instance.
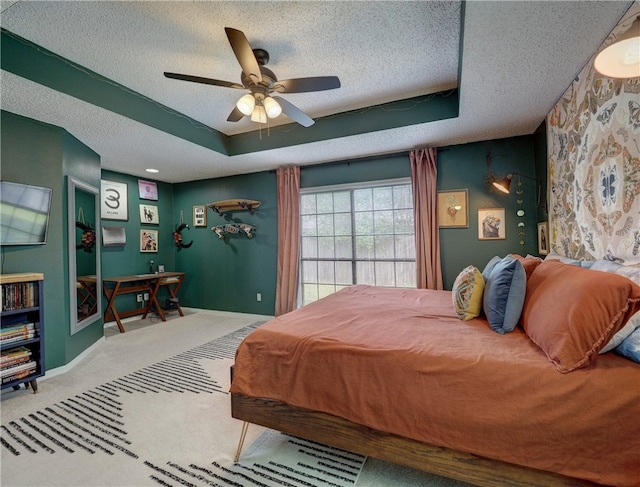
(341, 433)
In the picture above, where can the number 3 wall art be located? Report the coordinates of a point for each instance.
(113, 200)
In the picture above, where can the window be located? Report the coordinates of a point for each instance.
(356, 235)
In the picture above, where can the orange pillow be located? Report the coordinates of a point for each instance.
(571, 312)
(529, 263)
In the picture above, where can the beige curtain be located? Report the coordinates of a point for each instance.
(425, 207)
(288, 186)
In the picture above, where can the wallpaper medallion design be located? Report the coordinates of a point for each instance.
(593, 135)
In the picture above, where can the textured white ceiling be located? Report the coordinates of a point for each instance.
(517, 59)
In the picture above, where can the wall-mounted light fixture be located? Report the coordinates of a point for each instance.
(622, 58)
(504, 184)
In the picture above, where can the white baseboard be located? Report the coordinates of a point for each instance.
(67, 367)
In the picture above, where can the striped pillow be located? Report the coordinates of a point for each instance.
(467, 293)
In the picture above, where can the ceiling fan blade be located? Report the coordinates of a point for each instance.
(235, 116)
(244, 53)
(303, 85)
(294, 113)
(206, 81)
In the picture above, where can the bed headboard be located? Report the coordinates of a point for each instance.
(593, 135)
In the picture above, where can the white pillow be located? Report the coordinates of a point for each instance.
(632, 273)
(623, 333)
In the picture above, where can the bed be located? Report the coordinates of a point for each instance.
(397, 375)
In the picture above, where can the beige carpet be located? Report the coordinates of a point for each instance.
(177, 426)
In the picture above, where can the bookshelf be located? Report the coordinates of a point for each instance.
(22, 330)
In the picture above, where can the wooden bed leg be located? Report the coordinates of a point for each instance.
(243, 434)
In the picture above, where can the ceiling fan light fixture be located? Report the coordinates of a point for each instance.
(259, 114)
(272, 107)
(622, 58)
(261, 82)
(246, 104)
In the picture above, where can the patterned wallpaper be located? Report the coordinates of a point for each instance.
(593, 135)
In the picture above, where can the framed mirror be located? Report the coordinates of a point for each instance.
(85, 282)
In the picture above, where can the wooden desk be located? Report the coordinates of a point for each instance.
(139, 283)
(87, 299)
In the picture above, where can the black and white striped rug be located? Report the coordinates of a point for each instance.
(156, 426)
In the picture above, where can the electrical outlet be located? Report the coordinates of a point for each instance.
(146, 296)
(259, 297)
(139, 298)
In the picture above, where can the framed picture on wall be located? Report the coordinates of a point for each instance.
(113, 200)
(491, 224)
(199, 216)
(148, 190)
(148, 240)
(453, 209)
(543, 238)
(149, 214)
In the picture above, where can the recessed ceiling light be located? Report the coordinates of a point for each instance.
(151, 170)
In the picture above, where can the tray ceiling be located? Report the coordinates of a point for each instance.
(515, 60)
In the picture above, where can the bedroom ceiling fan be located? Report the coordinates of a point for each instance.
(261, 83)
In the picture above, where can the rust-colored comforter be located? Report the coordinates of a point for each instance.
(400, 361)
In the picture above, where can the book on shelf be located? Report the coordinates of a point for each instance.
(14, 353)
(17, 337)
(18, 375)
(15, 369)
(15, 361)
(6, 330)
(18, 295)
(21, 330)
(17, 334)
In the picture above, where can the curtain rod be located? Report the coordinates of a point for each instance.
(364, 158)
(361, 159)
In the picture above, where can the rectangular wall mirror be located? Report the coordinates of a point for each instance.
(84, 255)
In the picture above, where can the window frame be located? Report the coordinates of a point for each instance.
(351, 187)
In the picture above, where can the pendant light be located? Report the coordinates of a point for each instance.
(622, 58)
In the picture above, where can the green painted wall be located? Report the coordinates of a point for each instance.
(82, 163)
(227, 274)
(464, 167)
(372, 169)
(128, 259)
(36, 153)
(459, 167)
